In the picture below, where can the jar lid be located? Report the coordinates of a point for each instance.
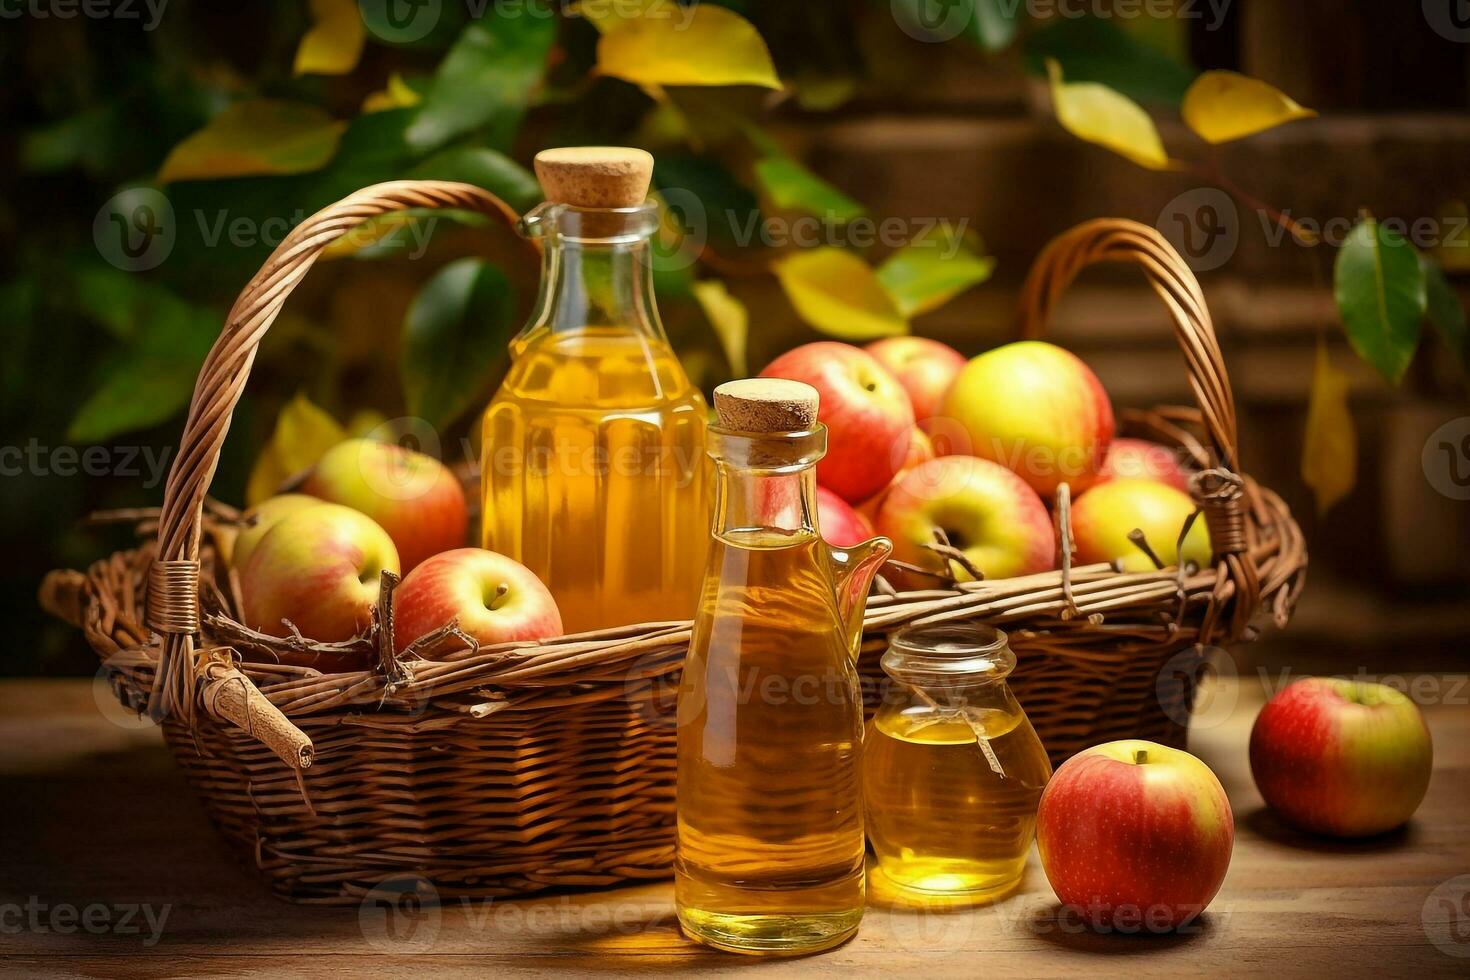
(951, 651)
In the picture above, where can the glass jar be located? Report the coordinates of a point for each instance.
(953, 770)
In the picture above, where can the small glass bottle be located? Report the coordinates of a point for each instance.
(953, 770)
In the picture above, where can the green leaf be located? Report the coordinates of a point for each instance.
(496, 172)
(932, 269)
(793, 187)
(705, 198)
(256, 137)
(1330, 450)
(836, 292)
(1379, 288)
(993, 22)
(486, 79)
(152, 379)
(454, 334)
(1093, 50)
(1443, 307)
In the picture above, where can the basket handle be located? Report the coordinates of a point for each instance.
(1219, 491)
(173, 579)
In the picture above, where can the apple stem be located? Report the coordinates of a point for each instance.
(1140, 756)
(500, 592)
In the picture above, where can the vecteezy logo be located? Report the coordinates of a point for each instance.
(1446, 917)
(1446, 459)
(400, 21)
(135, 229)
(931, 20)
(652, 690)
(401, 915)
(683, 230)
(1450, 19)
(1203, 225)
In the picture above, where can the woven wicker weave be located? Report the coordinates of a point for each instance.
(505, 770)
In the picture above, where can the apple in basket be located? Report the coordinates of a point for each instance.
(1135, 836)
(1146, 460)
(1035, 409)
(319, 568)
(865, 409)
(926, 368)
(264, 516)
(414, 497)
(1103, 517)
(984, 509)
(490, 597)
(1341, 757)
(841, 525)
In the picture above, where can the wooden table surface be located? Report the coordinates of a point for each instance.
(108, 867)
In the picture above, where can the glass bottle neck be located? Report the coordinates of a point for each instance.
(595, 270)
(766, 482)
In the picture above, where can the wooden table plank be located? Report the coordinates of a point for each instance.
(97, 816)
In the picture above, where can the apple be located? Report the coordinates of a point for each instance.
(865, 409)
(842, 526)
(1341, 757)
(924, 367)
(1103, 516)
(986, 511)
(492, 598)
(921, 450)
(417, 499)
(264, 516)
(1144, 459)
(319, 568)
(1035, 409)
(1134, 834)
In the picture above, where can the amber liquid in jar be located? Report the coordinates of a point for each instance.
(592, 458)
(953, 771)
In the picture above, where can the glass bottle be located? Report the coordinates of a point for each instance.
(770, 848)
(953, 770)
(592, 460)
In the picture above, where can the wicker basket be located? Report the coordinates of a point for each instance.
(507, 770)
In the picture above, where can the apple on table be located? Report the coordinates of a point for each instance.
(1347, 758)
(866, 412)
(1133, 834)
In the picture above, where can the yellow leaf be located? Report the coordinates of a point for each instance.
(396, 95)
(1098, 114)
(839, 294)
(255, 138)
(729, 318)
(1330, 451)
(363, 423)
(669, 44)
(334, 43)
(303, 434)
(1222, 106)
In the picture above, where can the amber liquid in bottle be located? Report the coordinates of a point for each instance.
(592, 458)
(770, 844)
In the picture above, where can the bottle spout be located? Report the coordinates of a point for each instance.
(852, 572)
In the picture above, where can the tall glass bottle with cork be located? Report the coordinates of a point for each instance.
(592, 458)
(769, 847)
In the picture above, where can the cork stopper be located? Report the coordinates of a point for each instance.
(766, 405)
(595, 176)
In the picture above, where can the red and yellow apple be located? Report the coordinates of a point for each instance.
(865, 409)
(926, 368)
(985, 511)
(1341, 757)
(1103, 517)
(490, 597)
(414, 497)
(1035, 409)
(842, 526)
(1134, 833)
(1145, 460)
(319, 568)
(264, 516)
(920, 450)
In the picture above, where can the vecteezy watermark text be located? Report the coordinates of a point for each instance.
(941, 20)
(130, 462)
(95, 918)
(90, 9)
